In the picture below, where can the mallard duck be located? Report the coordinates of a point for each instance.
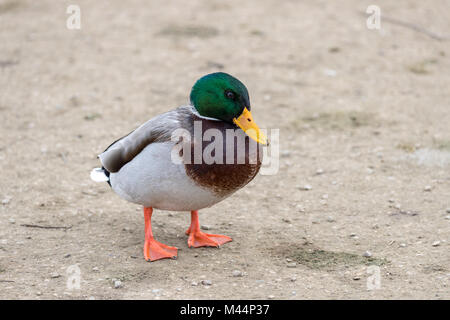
(140, 166)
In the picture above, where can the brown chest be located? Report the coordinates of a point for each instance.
(228, 162)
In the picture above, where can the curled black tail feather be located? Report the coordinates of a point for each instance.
(107, 173)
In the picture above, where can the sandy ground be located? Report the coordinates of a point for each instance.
(364, 121)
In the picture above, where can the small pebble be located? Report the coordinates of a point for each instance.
(292, 265)
(448, 210)
(117, 284)
(55, 275)
(306, 187)
(367, 254)
(427, 188)
(205, 227)
(238, 273)
(447, 217)
(67, 255)
(194, 283)
(356, 278)
(6, 201)
(402, 245)
(330, 72)
(286, 220)
(206, 282)
(319, 171)
(271, 297)
(331, 219)
(94, 269)
(285, 154)
(436, 243)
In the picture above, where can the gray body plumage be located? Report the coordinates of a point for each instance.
(142, 171)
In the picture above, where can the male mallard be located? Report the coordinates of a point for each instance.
(141, 169)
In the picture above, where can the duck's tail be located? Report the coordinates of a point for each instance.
(100, 175)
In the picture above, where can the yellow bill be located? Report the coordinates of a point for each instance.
(246, 123)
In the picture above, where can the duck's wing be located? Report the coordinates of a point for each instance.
(158, 129)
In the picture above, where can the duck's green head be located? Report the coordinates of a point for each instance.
(222, 96)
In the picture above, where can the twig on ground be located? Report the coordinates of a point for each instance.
(45, 227)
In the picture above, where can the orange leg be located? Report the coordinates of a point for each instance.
(198, 238)
(154, 250)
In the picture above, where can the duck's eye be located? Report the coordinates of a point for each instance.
(230, 94)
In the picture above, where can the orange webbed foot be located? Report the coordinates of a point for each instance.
(200, 239)
(154, 250)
